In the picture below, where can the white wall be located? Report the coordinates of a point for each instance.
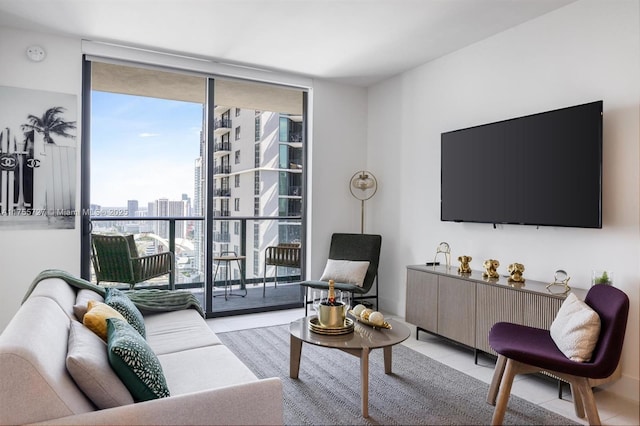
(25, 253)
(338, 150)
(586, 51)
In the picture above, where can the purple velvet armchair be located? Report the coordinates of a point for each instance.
(524, 350)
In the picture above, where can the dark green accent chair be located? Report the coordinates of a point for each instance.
(115, 259)
(354, 247)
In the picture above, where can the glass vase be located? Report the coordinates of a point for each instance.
(602, 276)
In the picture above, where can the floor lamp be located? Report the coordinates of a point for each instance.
(363, 185)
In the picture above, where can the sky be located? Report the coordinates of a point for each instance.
(142, 148)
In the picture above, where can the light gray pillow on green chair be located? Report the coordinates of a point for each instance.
(346, 271)
(134, 362)
(88, 364)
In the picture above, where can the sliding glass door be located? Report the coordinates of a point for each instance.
(200, 167)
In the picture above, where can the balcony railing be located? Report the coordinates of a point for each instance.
(295, 137)
(221, 237)
(222, 146)
(222, 170)
(222, 192)
(221, 213)
(295, 191)
(222, 123)
(186, 239)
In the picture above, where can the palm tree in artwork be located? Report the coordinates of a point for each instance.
(51, 123)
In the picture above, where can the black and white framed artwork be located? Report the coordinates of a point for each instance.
(37, 159)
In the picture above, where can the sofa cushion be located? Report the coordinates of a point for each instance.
(82, 299)
(96, 317)
(121, 303)
(134, 362)
(58, 291)
(34, 382)
(88, 364)
(177, 331)
(203, 368)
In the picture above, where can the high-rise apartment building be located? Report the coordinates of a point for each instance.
(132, 208)
(257, 173)
(198, 210)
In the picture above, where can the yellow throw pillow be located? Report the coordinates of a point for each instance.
(96, 317)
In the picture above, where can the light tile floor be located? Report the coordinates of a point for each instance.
(613, 410)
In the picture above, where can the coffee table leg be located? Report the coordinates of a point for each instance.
(387, 359)
(294, 357)
(364, 381)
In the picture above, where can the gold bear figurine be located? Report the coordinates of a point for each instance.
(515, 273)
(490, 268)
(464, 267)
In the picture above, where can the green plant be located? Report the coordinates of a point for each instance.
(603, 279)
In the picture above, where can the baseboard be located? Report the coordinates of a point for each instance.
(625, 387)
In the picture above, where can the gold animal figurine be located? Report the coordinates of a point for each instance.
(491, 268)
(464, 267)
(515, 273)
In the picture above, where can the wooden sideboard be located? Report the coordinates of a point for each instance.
(464, 307)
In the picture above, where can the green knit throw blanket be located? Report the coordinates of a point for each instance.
(147, 300)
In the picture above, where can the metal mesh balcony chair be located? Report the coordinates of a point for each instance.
(284, 255)
(354, 247)
(115, 259)
(524, 350)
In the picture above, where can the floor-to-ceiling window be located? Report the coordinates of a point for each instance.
(258, 138)
(172, 155)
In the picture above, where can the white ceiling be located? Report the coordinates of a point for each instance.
(353, 41)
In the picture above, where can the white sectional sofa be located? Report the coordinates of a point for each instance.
(207, 382)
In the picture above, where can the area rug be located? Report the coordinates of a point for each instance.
(420, 391)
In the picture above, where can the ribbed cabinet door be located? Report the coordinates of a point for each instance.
(496, 304)
(422, 300)
(540, 311)
(457, 309)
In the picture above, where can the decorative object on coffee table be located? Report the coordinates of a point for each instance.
(491, 268)
(363, 185)
(374, 319)
(560, 278)
(464, 267)
(515, 273)
(332, 313)
(601, 277)
(445, 249)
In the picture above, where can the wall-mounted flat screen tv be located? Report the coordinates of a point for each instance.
(541, 169)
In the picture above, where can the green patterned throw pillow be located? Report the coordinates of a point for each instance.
(121, 303)
(134, 362)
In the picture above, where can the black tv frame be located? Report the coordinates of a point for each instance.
(542, 169)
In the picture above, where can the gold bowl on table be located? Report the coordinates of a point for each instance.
(316, 327)
(384, 325)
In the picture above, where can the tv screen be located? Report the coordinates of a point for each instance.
(541, 169)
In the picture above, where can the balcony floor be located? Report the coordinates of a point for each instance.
(285, 296)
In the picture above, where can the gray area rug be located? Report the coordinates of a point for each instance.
(420, 391)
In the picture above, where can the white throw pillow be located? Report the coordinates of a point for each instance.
(576, 329)
(345, 271)
(88, 363)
